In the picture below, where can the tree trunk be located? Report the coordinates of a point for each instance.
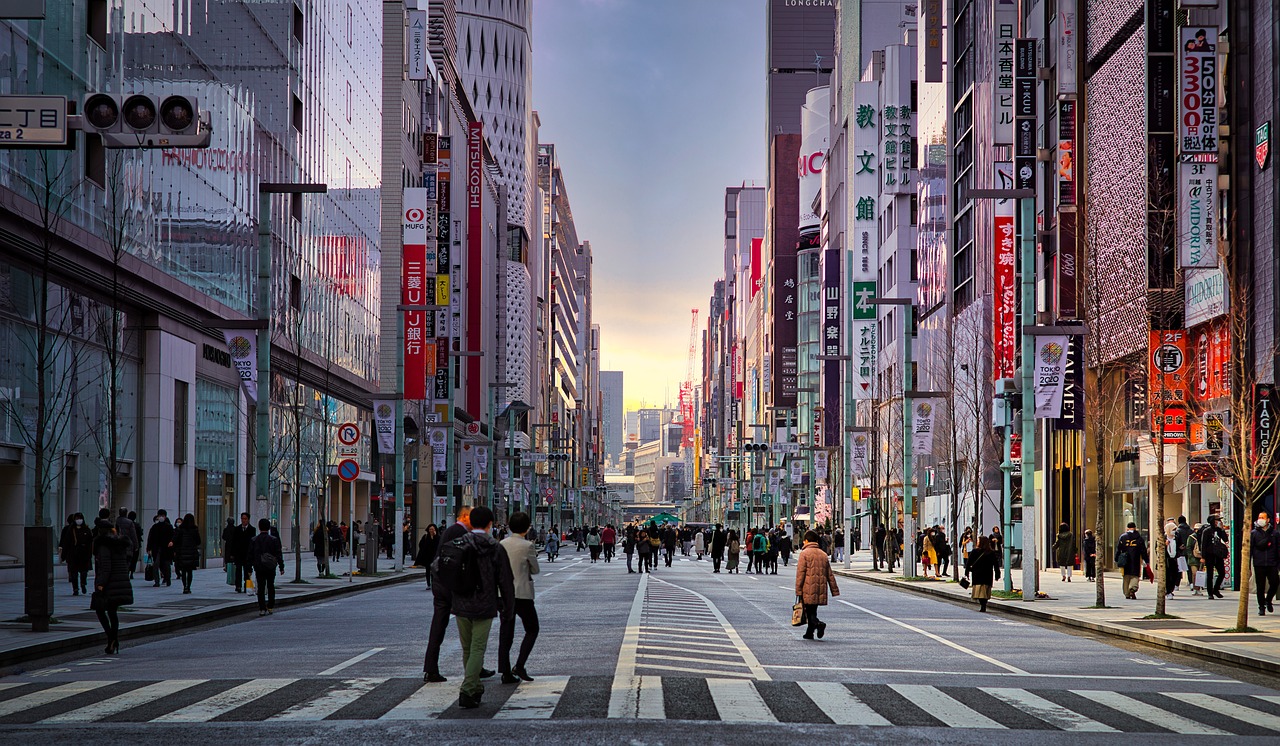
(1160, 551)
(1100, 518)
(1242, 605)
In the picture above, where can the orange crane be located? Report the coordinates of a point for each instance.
(687, 420)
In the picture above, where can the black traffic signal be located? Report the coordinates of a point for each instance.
(138, 120)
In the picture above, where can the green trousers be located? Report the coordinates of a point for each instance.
(474, 634)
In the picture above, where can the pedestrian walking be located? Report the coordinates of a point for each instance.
(1172, 568)
(553, 545)
(111, 586)
(129, 531)
(1089, 549)
(593, 543)
(1195, 570)
(967, 545)
(160, 546)
(1214, 548)
(427, 547)
(759, 547)
(608, 540)
(76, 548)
(241, 536)
(267, 556)
(784, 548)
(1064, 551)
(983, 571)
(837, 547)
(644, 550)
(319, 547)
(879, 546)
(813, 578)
(442, 600)
(1131, 557)
(927, 553)
(629, 545)
(474, 608)
(734, 549)
(186, 550)
(942, 548)
(699, 545)
(523, 556)
(718, 539)
(1264, 548)
(771, 551)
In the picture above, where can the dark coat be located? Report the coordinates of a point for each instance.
(1064, 549)
(497, 584)
(260, 547)
(111, 569)
(427, 547)
(1134, 548)
(186, 547)
(717, 543)
(1264, 546)
(1210, 549)
(317, 541)
(76, 544)
(158, 539)
(1090, 546)
(984, 566)
(129, 530)
(238, 542)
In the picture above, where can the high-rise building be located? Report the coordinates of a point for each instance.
(800, 48)
(612, 421)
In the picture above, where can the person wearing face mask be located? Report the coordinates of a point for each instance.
(1265, 549)
(160, 546)
(76, 547)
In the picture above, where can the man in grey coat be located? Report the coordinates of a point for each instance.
(523, 556)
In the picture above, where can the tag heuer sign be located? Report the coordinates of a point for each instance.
(1262, 144)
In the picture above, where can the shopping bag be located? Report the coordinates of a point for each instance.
(231, 573)
(248, 584)
(797, 613)
(1182, 564)
(964, 582)
(149, 574)
(1200, 579)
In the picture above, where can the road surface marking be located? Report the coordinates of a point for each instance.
(1150, 713)
(351, 661)
(122, 702)
(534, 700)
(624, 695)
(1228, 708)
(330, 702)
(664, 657)
(739, 702)
(938, 638)
(426, 703)
(943, 707)
(9, 686)
(47, 696)
(1024, 674)
(224, 702)
(685, 630)
(838, 703)
(1050, 712)
(689, 644)
(673, 649)
(732, 633)
(665, 669)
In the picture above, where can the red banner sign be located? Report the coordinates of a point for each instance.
(475, 261)
(413, 293)
(1168, 384)
(1005, 313)
(1211, 361)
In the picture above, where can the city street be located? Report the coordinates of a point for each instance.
(678, 655)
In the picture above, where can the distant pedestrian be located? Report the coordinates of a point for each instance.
(593, 543)
(644, 548)
(137, 542)
(111, 587)
(186, 550)
(442, 600)
(523, 556)
(943, 549)
(320, 548)
(126, 529)
(427, 546)
(759, 546)
(967, 545)
(784, 548)
(655, 546)
(718, 539)
(1214, 548)
(160, 546)
(266, 555)
(1264, 548)
(669, 544)
(608, 540)
(837, 547)
(1089, 552)
(76, 547)
(629, 545)
(1131, 557)
(879, 545)
(494, 594)
(813, 578)
(553, 546)
(734, 552)
(927, 553)
(983, 571)
(699, 545)
(1194, 562)
(242, 535)
(1064, 551)
(1172, 571)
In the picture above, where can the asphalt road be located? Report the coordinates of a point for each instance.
(671, 657)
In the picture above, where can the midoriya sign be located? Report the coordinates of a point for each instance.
(1198, 215)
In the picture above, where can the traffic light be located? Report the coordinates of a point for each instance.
(756, 447)
(137, 120)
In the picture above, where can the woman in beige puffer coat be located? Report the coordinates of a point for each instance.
(813, 577)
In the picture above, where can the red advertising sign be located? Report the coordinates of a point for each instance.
(1211, 361)
(756, 268)
(1066, 266)
(1005, 313)
(1168, 384)
(474, 261)
(413, 293)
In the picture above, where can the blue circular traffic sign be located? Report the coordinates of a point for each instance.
(348, 470)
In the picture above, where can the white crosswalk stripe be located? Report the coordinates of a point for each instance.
(838, 703)
(1050, 712)
(426, 703)
(944, 707)
(738, 701)
(1150, 713)
(123, 702)
(331, 701)
(220, 704)
(534, 700)
(1230, 709)
(48, 696)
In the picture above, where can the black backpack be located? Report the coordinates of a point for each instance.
(457, 566)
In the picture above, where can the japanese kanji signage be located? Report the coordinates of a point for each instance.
(864, 238)
(1198, 103)
(413, 292)
(831, 345)
(1167, 387)
(1066, 153)
(1006, 27)
(897, 129)
(1198, 215)
(1004, 267)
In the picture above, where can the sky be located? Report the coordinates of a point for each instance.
(655, 106)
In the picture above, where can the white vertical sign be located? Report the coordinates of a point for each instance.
(1067, 36)
(1050, 375)
(1198, 215)
(922, 426)
(418, 52)
(1006, 28)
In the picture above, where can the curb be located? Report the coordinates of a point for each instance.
(83, 640)
(1181, 646)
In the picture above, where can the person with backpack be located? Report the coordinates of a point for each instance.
(1192, 553)
(655, 546)
(523, 556)
(734, 552)
(1214, 550)
(477, 572)
(643, 550)
(442, 599)
(1131, 556)
(266, 555)
(608, 539)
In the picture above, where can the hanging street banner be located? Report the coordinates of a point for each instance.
(413, 291)
(1050, 375)
(1168, 384)
(820, 466)
(384, 425)
(1006, 33)
(1004, 269)
(1066, 153)
(797, 471)
(1198, 102)
(864, 239)
(1073, 389)
(860, 455)
(1067, 37)
(922, 424)
(419, 55)
(1198, 215)
(243, 346)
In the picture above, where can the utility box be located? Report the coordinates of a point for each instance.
(37, 544)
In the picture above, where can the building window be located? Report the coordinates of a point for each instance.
(299, 24)
(180, 422)
(350, 24)
(96, 27)
(297, 113)
(348, 102)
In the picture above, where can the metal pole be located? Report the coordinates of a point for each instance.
(1007, 469)
(351, 533)
(398, 481)
(1026, 228)
(908, 429)
(262, 438)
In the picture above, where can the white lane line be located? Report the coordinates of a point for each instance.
(657, 637)
(46, 696)
(1149, 713)
(223, 702)
(1024, 674)
(624, 695)
(426, 703)
(674, 649)
(665, 657)
(10, 685)
(739, 702)
(351, 661)
(122, 702)
(838, 703)
(665, 669)
(938, 638)
(950, 711)
(330, 702)
(1228, 708)
(743, 650)
(1050, 712)
(685, 630)
(534, 700)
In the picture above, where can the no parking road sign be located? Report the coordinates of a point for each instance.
(348, 470)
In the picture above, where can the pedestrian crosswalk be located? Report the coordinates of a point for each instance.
(680, 631)
(730, 700)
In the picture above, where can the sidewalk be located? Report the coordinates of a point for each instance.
(162, 609)
(1198, 630)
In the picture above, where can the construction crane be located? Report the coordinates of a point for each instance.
(687, 421)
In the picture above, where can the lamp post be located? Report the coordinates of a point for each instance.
(516, 407)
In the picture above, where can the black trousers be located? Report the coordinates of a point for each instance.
(266, 588)
(185, 576)
(507, 634)
(715, 562)
(243, 572)
(669, 552)
(1210, 567)
(811, 616)
(439, 626)
(164, 568)
(109, 618)
(1266, 580)
(1090, 568)
(79, 579)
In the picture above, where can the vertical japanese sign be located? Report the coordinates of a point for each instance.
(413, 292)
(1050, 375)
(475, 260)
(1067, 36)
(418, 52)
(1004, 267)
(1068, 258)
(932, 41)
(757, 267)
(1066, 153)
(897, 129)
(831, 347)
(1168, 384)
(1198, 103)
(864, 242)
(444, 236)
(1198, 215)
(1006, 28)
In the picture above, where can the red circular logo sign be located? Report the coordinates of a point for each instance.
(414, 215)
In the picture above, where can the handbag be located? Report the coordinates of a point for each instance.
(797, 613)
(964, 582)
(149, 574)
(248, 583)
(1182, 564)
(231, 573)
(98, 601)
(1201, 578)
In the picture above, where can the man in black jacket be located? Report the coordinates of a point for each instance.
(266, 555)
(1264, 548)
(475, 612)
(242, 535)
(718, 540)
(1214, 548)
(443, 603)
(1131, 556)
(126, 529)
(160, 546)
